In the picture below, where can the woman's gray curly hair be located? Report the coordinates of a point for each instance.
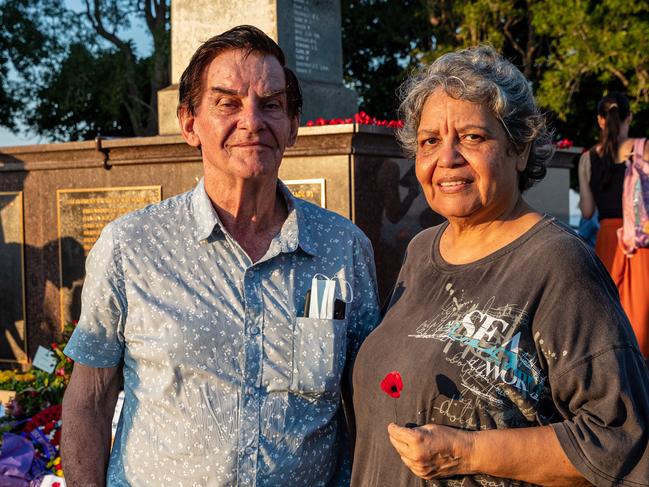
(481, 75)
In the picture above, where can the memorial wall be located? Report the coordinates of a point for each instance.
(55, 199)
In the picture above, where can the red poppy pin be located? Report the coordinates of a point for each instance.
(392, 384)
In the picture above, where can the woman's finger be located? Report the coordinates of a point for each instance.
(400, 446)
(406, 435)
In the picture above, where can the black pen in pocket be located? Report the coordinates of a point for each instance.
(307, 304)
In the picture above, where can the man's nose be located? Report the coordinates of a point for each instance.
(251, 117)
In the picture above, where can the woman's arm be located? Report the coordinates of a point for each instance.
(586, 199)
(532, 454)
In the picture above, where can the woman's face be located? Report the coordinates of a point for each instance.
(464, 162)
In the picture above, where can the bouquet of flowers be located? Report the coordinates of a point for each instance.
(360, 118)
(31, 428)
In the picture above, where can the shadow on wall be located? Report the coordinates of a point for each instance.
(400, 213)
(20, 292)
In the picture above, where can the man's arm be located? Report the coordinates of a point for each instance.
(88, 407)
(529, 454)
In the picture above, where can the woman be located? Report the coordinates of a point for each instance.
(601, 180)
(518, 364)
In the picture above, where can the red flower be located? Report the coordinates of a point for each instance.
(54, 346)
(360, 118)
(392, 384)
(564, 144)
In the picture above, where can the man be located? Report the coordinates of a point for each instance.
(198, 304)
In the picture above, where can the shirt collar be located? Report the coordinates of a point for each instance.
(204, 213)
(296, 230)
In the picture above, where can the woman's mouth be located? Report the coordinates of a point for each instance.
(453, 185)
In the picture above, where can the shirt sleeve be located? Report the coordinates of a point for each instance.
(98, 339)
(598, 379)
(605, 436)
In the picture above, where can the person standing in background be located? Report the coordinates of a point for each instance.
(601, 182)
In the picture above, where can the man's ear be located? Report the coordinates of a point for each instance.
(295, 124)
(186, 121)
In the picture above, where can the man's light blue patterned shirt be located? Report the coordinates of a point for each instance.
(225, 383)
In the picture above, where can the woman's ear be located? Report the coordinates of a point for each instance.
(601, 121)
(186, 121)
(521, 164)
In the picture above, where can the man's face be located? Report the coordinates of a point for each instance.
(241, 123)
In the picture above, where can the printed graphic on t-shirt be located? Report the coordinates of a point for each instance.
(501, 382)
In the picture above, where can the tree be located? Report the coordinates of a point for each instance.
(382, 41)
(81, 78)
(606, 42)
(385, 39)
(573, 51)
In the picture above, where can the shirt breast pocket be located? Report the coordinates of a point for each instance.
(319, 352)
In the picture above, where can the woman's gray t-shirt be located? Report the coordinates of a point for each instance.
(531, 335)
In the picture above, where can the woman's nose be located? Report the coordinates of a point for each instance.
(448, 155)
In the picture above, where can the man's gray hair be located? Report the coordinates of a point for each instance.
(481, 75)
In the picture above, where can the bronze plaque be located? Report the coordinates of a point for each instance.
(83, 213)
(311, 190)
(13, 343)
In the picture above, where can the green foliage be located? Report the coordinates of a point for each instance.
(573, 51)
(85, 97)
(382, 41)
(606, 42)
(71, 76)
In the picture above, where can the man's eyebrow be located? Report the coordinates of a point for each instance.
(224, 91)
(229, 91)
(270, 94)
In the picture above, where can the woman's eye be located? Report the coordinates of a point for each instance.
(473, 137)
(429, 141)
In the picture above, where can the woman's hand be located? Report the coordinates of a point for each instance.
(433, 451)
(532, 454)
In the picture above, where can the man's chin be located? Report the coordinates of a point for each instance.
(258, 170)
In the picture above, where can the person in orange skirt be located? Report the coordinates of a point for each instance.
(601, 181)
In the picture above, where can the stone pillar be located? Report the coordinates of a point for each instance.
(308, 31)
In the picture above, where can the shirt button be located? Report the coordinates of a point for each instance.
(254, 330)
(249, 450)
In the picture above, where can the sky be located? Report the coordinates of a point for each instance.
(143, 47)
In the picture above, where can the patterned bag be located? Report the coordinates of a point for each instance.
(635, 202)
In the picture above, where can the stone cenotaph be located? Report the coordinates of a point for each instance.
(308, 31)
